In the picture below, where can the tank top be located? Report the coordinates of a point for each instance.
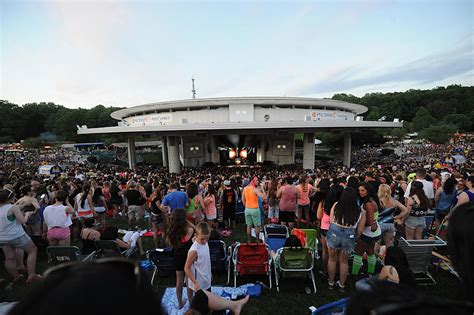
(210, 205)
(416, 210)
(325, 221)
(201, 268)
(251, 198)
(83, 211)
(9, 230)
(470, 195)
(56, 216)
(445, 201)
(288, 199)
(191, 206)
(229, 199)
(304, 195)
(368, 229)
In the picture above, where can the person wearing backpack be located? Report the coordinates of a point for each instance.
(444, 197)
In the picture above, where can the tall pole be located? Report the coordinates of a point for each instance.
(194, 90)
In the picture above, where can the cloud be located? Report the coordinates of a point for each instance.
(433, 68)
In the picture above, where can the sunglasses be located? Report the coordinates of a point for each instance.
(112, 263)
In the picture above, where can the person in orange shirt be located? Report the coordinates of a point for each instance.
(250, 197)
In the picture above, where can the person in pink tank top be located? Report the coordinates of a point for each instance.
(288, 195)
(305, 191)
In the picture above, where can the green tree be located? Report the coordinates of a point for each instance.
(461, 121)
(438, 134)
(422, 119)
(34, 143)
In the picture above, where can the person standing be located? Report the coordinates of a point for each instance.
(346, 223)
(371, 232)
(83, 203)
(180, 238)
(198, 262)
(57, 220)
(418, 205)
(135, 203)
(306, 191)
(229, 203)
(174, 199)
(209, 206)
(12, 237)
(288, 195)
(250, 196)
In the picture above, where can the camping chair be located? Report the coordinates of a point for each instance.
(62, 254)
(337, 307)
(419, 254)
(220, 257)
(294, 262)
(162, 260)
(106, 248)
(252, 259)
(275, 236)
(312, 240)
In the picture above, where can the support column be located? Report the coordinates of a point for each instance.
(308, 151)
(214, 151)
(132, 160)
(173, 155)
(261, 149)
(346, 153)
(164, 151)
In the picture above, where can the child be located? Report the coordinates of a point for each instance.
(198, 263)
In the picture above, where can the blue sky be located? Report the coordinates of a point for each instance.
(84, 53)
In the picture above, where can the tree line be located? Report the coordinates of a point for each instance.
(436, 114)
(50, 122)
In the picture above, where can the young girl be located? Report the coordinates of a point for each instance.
(210, 208)
(100, 205)
(180, 237)
(198, 263)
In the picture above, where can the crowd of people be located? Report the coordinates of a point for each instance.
(357, 211)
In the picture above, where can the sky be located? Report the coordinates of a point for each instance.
(127, 53)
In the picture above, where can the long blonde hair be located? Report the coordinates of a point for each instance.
(384, 191)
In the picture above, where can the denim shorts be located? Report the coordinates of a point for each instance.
(414, 222)
(20, 242)
(341, 238)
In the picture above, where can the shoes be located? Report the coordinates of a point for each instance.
(22, 270)
(33, 278)
(330, 285)
(340, 288)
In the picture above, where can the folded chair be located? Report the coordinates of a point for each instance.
(252, 259)
(275, 236)
(294, 262)
(220, 257)
(106, 248)
(61, 254)
(333, 308)
(419, 254)
(162, 260)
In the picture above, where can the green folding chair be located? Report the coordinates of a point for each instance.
(312, 240)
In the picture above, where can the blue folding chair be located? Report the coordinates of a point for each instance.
(275, 236)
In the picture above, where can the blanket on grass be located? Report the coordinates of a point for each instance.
(169, 302)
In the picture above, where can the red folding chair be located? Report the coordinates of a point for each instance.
(252, 259)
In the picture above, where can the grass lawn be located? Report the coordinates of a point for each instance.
(292, 298)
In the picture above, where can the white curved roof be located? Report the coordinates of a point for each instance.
(225, 101)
